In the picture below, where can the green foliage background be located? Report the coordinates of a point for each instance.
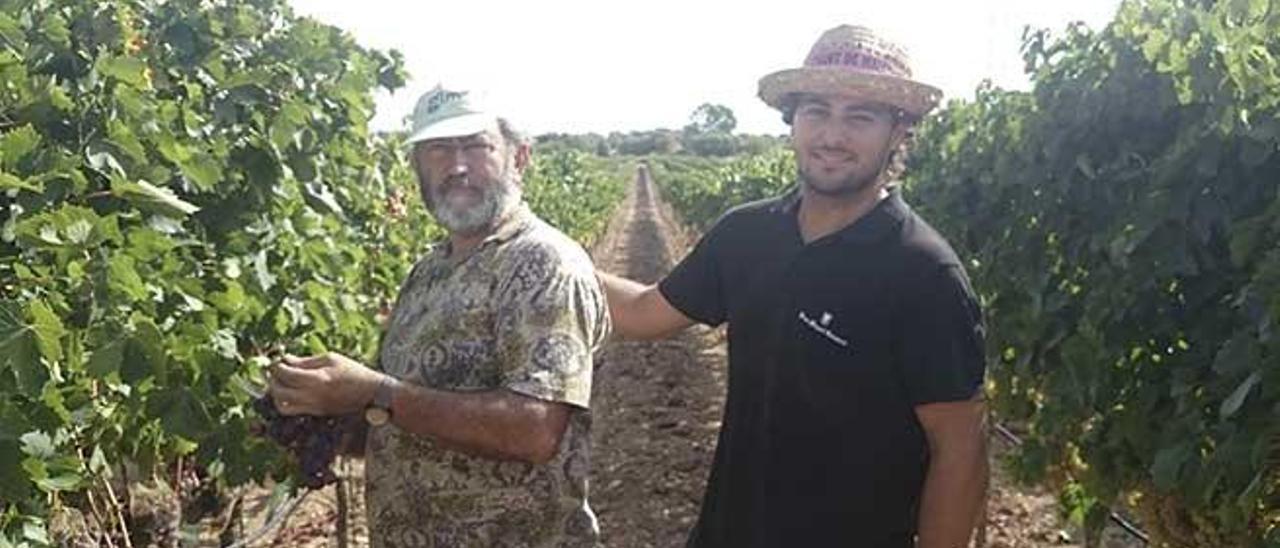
(1122, 222)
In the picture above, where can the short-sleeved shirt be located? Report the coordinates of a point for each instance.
(523, 312)
(832, 344)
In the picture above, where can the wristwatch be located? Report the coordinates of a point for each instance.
(378, 412)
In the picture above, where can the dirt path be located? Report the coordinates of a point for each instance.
(657, 404)
(657, 410)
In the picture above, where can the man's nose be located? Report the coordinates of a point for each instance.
(832, 136)
(458, 166)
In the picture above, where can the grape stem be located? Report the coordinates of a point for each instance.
(115, 504)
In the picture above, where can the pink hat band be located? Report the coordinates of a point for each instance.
(859, 58)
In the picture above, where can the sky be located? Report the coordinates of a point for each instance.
(576, 66)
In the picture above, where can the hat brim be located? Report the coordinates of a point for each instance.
(458, 126)
(911, 96)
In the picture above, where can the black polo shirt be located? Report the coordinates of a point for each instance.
(831, 346)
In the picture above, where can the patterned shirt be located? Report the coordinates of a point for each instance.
(523, 312)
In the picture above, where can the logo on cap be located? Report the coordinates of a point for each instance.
(443, 97)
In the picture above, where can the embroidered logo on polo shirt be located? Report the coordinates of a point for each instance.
(822, 326)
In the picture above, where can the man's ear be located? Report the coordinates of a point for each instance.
(901, 132)
(524, 155)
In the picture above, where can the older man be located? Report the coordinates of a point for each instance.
(854, 414)
(479, 424)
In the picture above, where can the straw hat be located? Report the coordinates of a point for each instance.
(853, 61)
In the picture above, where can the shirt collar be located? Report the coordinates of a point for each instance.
(788, 202)
(882, 221)
(875, 225)
(514, 224)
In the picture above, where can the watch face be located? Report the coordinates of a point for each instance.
(377, 416)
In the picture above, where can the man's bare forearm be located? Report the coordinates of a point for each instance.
(640, 311)
(954, 493)
(496, 424)
(624, 297)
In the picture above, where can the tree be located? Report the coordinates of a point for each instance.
(712, 118)
(711, 144)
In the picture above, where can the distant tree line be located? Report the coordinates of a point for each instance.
(709, 133)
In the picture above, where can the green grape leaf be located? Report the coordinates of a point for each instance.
(130, 70)
(17, 144)
(122, 277)
(106, 359)
(180, 413)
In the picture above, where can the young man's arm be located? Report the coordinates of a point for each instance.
(944, 363)
(956, 483)
(640, 311)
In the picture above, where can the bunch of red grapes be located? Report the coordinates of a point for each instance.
(313, 441)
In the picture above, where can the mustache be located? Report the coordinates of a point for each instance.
(451, 184)
(833, 151)
(454, 180)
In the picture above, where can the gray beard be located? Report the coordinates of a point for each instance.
(495, 201)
